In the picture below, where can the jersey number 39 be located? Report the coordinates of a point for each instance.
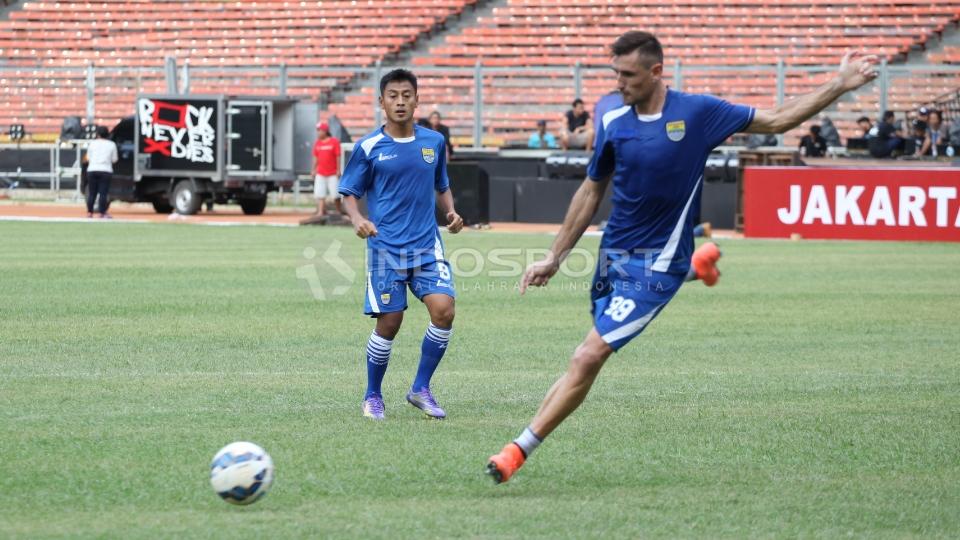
(620, 308)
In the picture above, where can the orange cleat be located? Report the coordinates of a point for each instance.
(503, 465)
(705, 263)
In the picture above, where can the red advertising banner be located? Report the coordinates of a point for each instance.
(852, 204)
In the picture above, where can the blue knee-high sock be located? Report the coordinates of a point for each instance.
(378, 354)
(431, 352)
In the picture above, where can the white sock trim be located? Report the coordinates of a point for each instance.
(528, 441)
(383, 342)
(378, 349)
(440, 335)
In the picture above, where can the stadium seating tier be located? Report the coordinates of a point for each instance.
(46, 46)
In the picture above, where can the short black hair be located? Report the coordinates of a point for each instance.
(102, 132)
(648, 45)
(888, 114)
(398, 75)
(863, 119)
(815, 129)
(576, 102)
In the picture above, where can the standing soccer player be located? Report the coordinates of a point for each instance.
(655, 148)
(402, 170)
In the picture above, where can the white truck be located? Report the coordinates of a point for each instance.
(181, 151)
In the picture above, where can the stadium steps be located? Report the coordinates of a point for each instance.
(350, 90)
(422, 47)
(949, 39)
(906, 93)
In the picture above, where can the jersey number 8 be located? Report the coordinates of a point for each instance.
(444, 270)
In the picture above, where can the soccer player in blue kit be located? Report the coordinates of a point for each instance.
(401, 168)
(654, 148)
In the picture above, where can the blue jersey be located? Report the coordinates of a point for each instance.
(613, 100)
(657, 165)
(400, 178)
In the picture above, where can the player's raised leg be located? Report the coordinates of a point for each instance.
(435, 340)
(622, 309)
(562, 399)
(703, 264)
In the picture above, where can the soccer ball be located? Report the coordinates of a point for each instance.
(241, 472)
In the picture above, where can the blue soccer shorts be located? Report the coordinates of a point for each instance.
(386, 289)
(623, 305)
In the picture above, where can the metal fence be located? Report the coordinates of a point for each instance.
(480, 100)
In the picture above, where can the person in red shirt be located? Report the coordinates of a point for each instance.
(326, 166)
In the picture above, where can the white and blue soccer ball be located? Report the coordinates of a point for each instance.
(241, 473)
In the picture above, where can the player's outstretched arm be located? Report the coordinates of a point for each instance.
(361, 225)
(856, 70)
(582, 208)
(454, 221)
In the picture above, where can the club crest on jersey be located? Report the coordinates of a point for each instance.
(428, 155)
(676, 130)
(385, 298)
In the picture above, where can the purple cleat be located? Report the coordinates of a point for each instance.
(424, 401)
(373, 407)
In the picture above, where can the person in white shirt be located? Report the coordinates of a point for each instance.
(101, 155)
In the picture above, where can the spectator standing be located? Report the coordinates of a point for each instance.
(540, 138)
(812, 144)
(579, 132)
(435, 123)
(101, 155)
(326, 180)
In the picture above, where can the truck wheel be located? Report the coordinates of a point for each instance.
(161, 205)
(253, 207)
(186, 200)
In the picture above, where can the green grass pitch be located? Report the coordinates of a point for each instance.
(815, 392)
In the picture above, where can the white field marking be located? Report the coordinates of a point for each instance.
(141, 221)
(87, 375)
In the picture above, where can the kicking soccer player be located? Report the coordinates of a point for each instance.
(402, 170)
(655, 148)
